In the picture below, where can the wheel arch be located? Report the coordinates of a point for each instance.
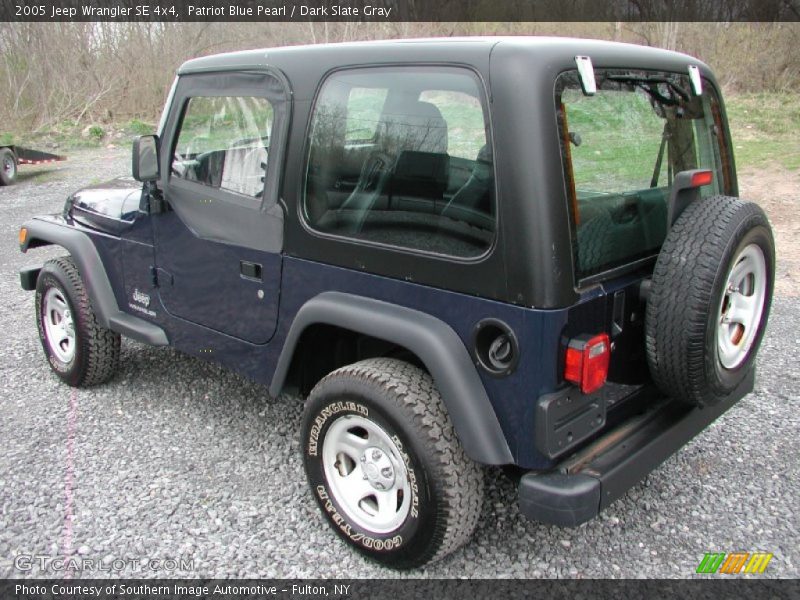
(51, 232)
(432, 341)
(87, 259)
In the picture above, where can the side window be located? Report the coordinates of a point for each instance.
(364, 107)
(223, 142)
(402, 157)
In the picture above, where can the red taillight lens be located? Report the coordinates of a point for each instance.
(587, 362)
(701, 178)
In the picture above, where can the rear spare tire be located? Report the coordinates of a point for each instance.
(710, 299)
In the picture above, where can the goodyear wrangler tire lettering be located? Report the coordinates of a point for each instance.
(412, 478)
(346, 530)
(329, 411)
(385, 466)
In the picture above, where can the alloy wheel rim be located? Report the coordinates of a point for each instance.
(366, 474)
(742, 306)
(59, 325)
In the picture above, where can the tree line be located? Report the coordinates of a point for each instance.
(86, 73)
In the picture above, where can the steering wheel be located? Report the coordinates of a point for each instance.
(185, 167)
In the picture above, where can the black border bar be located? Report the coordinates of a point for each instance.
(718, 587)
(400, 10)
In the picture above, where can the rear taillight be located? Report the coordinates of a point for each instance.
(587, 362)
(701, 178)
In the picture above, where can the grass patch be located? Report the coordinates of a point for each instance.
(96, 132)
(58, 139)
(620, 138)
(137, 127)
(763, 129)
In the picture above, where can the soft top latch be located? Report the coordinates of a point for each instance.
(586, 73)
(697, 81)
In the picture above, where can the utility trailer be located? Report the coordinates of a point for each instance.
(13, 156)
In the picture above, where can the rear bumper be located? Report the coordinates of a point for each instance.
(591, 479)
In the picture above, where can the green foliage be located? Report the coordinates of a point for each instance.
(464, 117)
(96, 133)
(6, 139)
(213, 123)
(620, 138)
(138, 127)
(764, 129)
(620, 143)
(462, 113)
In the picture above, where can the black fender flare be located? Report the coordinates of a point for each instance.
(55, 231)
(437, 346)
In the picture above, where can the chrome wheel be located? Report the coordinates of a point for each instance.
(742, 306)
(59, 326)
(366, 474)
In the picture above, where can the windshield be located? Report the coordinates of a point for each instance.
(621, 149)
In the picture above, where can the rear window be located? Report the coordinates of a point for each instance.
(621, 149)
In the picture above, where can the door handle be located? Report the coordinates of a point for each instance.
(250, 270)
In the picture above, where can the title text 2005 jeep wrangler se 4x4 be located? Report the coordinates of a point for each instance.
(517, 251)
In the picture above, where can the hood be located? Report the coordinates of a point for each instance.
(111, 207)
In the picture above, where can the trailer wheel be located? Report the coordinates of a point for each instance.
(8, 166)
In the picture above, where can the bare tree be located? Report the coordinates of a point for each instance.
(105, 72)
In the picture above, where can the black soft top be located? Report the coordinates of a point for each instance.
(456, 49)
(534, 247)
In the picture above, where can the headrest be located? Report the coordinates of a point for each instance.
(417, 126)
(422, 174)
(483, 170)
(485, 154)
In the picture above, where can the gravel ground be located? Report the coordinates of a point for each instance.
(178, 459)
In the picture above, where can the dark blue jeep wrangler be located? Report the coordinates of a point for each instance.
(522, 251)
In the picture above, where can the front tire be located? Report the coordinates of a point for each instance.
(385, 466)
(80, 351)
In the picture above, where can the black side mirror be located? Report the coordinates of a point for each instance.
(145, 158)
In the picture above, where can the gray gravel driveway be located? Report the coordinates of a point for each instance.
(178, 460)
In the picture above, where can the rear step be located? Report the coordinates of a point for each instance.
(588, 481)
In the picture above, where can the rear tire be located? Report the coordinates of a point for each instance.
(80, 351)
(710, 299)
(385, 466)
(8, 166)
